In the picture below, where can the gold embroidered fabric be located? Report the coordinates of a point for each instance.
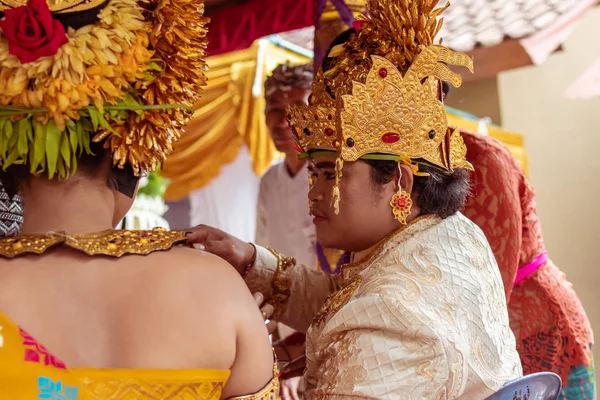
(114, 243)
(152, 385)
(164, 385)
(281, 284)
(423, 317)
(305, 300)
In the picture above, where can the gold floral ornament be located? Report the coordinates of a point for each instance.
(127, 81)
(382, 96)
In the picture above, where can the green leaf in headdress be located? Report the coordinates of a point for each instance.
(3, 139)
(84, 128)
(23, 132)
(8, 129)
(39, 147)
(65, 150)
(53, 135)
(73, 138)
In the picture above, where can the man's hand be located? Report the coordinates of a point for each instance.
(267, 311)
(233, 250)
(289, 389)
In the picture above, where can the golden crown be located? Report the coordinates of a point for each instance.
(368, 107)
(389, 114)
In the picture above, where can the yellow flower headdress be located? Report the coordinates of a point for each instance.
(382, 96)
(126, 78)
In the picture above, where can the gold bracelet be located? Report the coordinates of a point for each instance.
(281, 284)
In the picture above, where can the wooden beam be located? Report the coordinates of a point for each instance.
(489, 61)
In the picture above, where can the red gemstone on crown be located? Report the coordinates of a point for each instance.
(329, 132)
(390, 137)
(383, 72)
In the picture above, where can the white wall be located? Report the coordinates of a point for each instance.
(562, 137)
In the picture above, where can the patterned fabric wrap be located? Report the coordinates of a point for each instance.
(11, 214)
(552, 330)
(29, 371)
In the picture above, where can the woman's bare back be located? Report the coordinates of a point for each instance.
(179, 309)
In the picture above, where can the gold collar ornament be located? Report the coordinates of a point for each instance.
(382, 97)
(112, 243)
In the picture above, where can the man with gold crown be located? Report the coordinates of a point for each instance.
(420, 311)
(93, 95)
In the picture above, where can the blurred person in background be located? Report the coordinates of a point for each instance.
(283, 219)
(552, 330)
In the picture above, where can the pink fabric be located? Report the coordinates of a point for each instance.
(530, 268)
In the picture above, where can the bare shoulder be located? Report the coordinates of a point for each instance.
(201, 272)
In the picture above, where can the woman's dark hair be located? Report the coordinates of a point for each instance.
(441, 193)
(122, 180)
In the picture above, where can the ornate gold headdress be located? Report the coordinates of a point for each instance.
(382, 97)
(126, 77)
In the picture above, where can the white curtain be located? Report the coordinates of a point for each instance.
(228, 202)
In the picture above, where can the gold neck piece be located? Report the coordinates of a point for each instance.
(112, 243)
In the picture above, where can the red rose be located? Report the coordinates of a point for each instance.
(31, 31)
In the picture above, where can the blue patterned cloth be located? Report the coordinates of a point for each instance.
(581, 384)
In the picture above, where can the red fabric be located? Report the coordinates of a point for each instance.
(238, 27)
(552, 330)
(31, 31)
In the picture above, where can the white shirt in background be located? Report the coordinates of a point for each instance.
(283, 222)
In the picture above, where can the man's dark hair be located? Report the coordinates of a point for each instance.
(441, 193)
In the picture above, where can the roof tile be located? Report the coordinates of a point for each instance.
(472, 23)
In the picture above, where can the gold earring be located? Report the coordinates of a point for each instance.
(401, 204)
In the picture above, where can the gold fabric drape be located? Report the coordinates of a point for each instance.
(229, 115)
(513, 141)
